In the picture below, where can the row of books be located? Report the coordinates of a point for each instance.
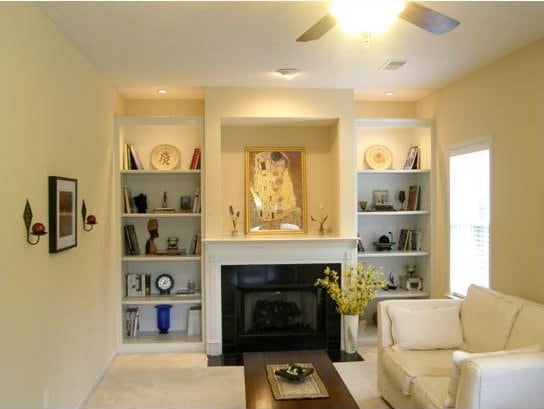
(195, 161)
(409, 240)
(196, 244)
(132, 321)
(132, 247)
(138, 285)
(129, 158)
(196, 201)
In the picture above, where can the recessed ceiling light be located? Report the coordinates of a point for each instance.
(288, 73)
(162, 91)
(389, 93)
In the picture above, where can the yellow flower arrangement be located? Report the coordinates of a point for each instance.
(360, 286)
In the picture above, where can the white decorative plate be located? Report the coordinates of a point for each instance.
(165, 157)
(378, 157)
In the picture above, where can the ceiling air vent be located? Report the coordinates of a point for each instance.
(392, 65)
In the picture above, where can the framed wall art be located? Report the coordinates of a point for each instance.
(62, 213)
(275, 190)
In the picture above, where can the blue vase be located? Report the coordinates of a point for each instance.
(163, 318)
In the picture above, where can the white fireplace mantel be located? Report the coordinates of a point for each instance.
(263, 250)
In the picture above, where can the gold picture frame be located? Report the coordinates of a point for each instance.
(275, 190)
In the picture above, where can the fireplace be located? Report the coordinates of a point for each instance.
(276, 307)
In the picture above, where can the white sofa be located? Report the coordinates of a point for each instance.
(421, 358)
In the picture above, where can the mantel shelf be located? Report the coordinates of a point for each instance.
(242, 238)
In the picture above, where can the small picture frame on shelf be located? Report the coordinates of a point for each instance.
(185, 204)
(380, 197)
(412, 159)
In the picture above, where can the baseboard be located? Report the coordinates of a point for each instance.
(93, 386)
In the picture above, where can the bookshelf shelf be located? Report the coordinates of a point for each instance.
(164, 299)
(173, 337)
(393, 171)
(399, 293)
(158, 215)
(159, 172)
(154, 259)
(137, 138)
(395, 213)
(392, 253)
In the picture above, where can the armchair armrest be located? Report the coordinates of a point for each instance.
(385, 338)
(502, 382)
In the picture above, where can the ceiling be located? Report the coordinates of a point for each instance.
(185, 46)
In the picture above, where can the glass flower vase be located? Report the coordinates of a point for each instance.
(351, 329)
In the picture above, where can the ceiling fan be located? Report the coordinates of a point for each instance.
(421, 16)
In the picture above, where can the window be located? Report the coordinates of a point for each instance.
(469, 216)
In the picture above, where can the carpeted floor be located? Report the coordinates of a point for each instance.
(184, 381)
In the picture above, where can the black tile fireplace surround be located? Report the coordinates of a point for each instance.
(277, 307)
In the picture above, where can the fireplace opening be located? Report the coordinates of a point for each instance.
(277, 307)
(286, 310)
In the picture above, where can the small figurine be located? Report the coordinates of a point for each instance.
(323, 216)
(153, 228)
(234, 219)
(141, 203)
(164, 200)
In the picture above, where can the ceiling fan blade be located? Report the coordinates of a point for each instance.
(428, 19)
(318, 29)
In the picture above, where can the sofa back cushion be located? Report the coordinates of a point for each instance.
(487, 317)
(528, 327)
(430, 328)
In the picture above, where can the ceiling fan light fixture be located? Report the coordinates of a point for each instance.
(366, 16)
(288, 73)
(162, 91)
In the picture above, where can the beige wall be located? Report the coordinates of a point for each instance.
(167, 107)
(224, 103)
(504, 100)
(56, 311)
(385, 109)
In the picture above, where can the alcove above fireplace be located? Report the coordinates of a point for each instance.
(277, 307)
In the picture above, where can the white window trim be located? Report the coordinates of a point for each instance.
(460, 148)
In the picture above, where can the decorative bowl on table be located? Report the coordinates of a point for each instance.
(294, 372)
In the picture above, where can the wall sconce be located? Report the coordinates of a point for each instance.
(38, 229)
(89, 220)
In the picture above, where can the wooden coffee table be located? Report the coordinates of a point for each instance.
(259, 394)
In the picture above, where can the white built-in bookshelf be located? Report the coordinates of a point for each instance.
(397, 136)
(144, 134)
